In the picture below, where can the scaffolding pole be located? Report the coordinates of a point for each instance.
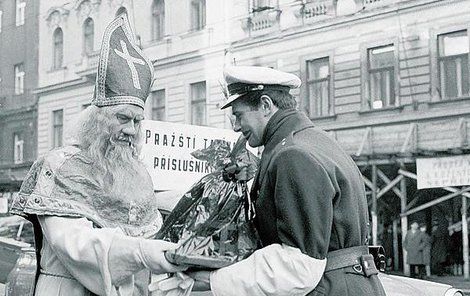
(465, 237)
(404, 225)
(374, 204)
(396, 256)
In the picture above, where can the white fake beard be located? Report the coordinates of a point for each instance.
(123, 166)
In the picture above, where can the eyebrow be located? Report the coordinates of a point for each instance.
(130, 114)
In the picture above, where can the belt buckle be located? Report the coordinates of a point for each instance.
(357, 268)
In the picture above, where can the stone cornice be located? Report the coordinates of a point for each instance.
(62, 85)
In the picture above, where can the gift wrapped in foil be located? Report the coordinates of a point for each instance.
(211, 222)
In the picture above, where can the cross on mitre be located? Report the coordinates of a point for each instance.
(130, 62)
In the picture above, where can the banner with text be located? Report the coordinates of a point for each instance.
(167, 148)
(443, 171)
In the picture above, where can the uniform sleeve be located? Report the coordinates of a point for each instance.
(303, 196)
(103, 259)
(275, 270)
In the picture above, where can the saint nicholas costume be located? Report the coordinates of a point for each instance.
(89, 237)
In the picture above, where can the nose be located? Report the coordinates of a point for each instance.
(236, 126)
(130, 129)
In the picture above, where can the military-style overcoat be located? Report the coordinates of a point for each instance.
(310, 194)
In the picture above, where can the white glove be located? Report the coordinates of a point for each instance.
(153, 256)
(177, 285)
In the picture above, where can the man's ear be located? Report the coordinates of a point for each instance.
(267, 105)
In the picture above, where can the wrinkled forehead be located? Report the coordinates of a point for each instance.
(127, 110)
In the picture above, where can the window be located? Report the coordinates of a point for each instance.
(158, 105)
(1, 20)
(18, 148)
(259, 5)
(88, 36)
(19, 79)
(198, 103)
(58, 48)
(318, 87)
(20, 12)
(381, 78)
(198, 14)
(121, 10)
(158, 19)
(453, 64)
(57, 128)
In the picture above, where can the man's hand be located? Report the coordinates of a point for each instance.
(201, 280)
(235, 172)
(153, 256)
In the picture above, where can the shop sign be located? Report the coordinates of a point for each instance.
(443, 171)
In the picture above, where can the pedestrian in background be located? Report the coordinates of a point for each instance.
(414, 245)
(439, 249)
(427, 249)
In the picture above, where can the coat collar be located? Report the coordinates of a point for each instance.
(279, 127)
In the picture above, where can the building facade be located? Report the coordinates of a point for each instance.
(18, 80)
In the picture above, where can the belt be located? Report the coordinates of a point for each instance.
(345, 257)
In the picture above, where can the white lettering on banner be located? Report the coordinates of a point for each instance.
(167, 148)
(443, 171)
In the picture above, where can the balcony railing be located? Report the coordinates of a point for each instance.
(261, 20)
(314, 10)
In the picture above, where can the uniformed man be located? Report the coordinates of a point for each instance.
(311, 208)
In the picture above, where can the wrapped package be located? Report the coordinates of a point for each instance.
(211, 222)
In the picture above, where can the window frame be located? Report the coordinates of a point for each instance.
(88, 37)
(304, 89)
(18, 142)
(20, 12)
(380, 70)
(158, 34)
(366, 104)
(436, 94)
(56, 64)
(440, 59)
(193, 102)
(57, 127)
(19, 78)
(256, 7)
(1, 20)
(198, 20)
(153, 107)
